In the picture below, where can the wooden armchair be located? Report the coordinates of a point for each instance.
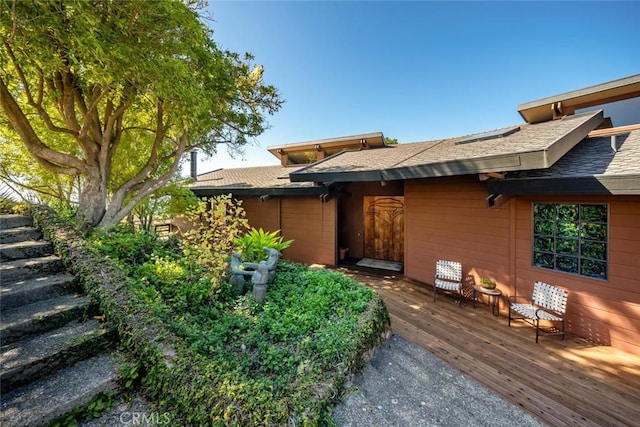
(448, 278)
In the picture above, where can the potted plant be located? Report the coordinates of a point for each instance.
(487, 283)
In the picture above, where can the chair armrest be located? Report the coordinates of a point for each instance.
(513, 299)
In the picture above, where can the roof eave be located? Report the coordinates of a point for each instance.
(291, 191)
(592, 185)
(563, 145)
(375, 139)
(616, 90)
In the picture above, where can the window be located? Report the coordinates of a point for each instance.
(571, 238)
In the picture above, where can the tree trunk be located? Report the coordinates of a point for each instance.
(93, 201)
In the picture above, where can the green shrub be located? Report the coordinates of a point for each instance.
(218, 221)
(214, 359)
(251, 245)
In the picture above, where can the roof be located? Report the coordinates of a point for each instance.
(606, 171)
(369, 140)
(616, 90)
(253, 181)
(534, 146)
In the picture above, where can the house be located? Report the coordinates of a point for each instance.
(555, 198)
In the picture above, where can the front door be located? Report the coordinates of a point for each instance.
(384, 227)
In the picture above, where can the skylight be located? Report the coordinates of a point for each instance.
(499, 133)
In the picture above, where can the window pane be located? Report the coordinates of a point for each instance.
(568, 229)
(594, 250)
(567, 263)
(591, 268)
(545, 212)
(543, 260)
(543, 244)
(544, 228)
(568, 212)
(594, 231)
(571, 238)
(594, 213)
(567, 246)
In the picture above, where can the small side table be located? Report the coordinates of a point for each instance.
(494, 298)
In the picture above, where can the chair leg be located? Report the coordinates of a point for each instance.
(563, 333)
(537, 329)
(435, 291)
(460, 297)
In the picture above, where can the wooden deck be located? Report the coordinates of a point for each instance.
(571, 382)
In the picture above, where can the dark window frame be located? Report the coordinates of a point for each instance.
(571, 238)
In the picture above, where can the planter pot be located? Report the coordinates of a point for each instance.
(259, 292)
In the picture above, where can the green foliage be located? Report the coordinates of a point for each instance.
(111, 95)
(390, 141)
(164, 204)
(487, 282)
(96, 408)
(215, 359)
(251, 245)
(218, 222)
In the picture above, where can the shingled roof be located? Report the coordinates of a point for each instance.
(253, 181)
(592, 167)
(533, 146)
(554, 157)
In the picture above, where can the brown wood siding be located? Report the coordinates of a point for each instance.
(448, 219)
(312, 226)
(265, 215)
(607, 312)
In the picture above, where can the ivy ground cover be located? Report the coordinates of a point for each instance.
(237, 362)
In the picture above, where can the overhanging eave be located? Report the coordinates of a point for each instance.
(291, 191)
(593, 185)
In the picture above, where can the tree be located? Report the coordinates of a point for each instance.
(116, 92)
(390, 141)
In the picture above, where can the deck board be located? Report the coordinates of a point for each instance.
(571, 382)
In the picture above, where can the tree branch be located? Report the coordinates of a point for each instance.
(115, 213)
(53, 160)
(27, 90)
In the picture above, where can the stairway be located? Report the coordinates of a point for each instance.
(54, 356)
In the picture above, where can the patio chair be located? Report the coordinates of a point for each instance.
(548, 303)
(448, 278)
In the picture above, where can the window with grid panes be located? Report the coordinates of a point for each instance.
(572, 238)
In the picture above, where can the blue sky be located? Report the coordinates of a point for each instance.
(419, 70)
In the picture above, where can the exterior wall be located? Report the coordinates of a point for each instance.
(312, 226)
(306, 220)
(265, 215)
(607, 312)
(447, 219)
(350, 216)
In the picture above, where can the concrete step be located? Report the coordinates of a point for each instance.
(25, 249)
(41, 316)
(14, 221)
(22, 292)
(40, 402)
(28, 360)
(19, 234)
(23, 269)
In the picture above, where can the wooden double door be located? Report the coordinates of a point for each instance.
(384, 227)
